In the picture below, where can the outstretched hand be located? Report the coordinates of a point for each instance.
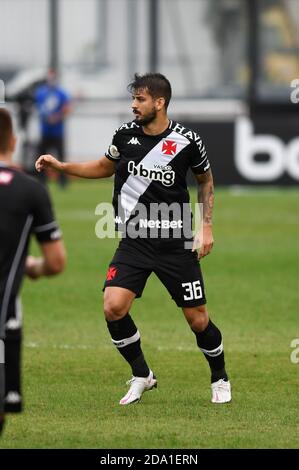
(48, 161)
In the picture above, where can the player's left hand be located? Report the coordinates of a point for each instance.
(54, 118)
(32, 267)
(203, 241)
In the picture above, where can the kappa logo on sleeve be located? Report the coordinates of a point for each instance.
(134, 141)
(56, 235)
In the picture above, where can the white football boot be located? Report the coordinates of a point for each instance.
(221, 391)
(138, 385)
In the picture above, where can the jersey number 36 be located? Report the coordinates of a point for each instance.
(193, 290)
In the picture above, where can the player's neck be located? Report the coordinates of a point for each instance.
(6, 158)
(158, 126)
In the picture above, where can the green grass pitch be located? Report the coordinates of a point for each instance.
(73, 378)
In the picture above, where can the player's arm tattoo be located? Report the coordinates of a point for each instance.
(206, 195)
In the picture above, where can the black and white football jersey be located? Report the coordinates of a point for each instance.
(150, 176)
(25, 208)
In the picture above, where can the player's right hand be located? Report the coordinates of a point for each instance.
(47, 161)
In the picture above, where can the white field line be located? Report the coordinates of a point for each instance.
(33, 345)
(243, 190)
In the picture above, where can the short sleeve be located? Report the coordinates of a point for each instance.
(44, 227)
(113, 153)
(199, 158)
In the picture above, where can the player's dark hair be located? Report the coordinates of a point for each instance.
(6, 130)
(155, 83)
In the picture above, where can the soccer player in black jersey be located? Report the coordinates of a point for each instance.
(150, 158)
(25, 208)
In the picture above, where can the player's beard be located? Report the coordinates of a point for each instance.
(147, 119)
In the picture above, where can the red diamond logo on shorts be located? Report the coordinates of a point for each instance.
(111, 273)
(169, 147)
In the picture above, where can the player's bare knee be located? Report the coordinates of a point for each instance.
(114, 309)
(199, 323)
(197, 318)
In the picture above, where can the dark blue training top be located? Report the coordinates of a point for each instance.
(50, 100)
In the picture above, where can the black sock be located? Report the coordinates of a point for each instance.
(209, 342)
(13, 342)
(126, 338)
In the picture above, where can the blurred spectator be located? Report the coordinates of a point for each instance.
(53, 104)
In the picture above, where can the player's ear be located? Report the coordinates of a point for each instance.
(160, 103)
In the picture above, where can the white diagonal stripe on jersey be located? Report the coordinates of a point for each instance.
(2, 352)
(13, 272)
(135, 186)
(15, 323)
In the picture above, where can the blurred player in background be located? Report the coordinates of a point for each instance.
(53, 105)
(25, 208)
(150, 158)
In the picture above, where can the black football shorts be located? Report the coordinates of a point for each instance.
(176, 267)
